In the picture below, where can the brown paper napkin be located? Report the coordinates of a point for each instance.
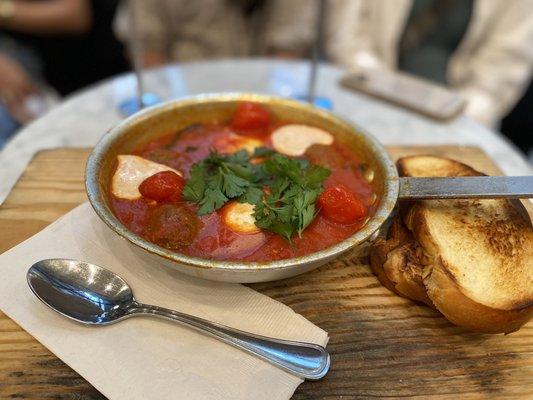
(142, 358)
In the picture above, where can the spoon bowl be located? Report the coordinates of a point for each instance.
(81, 291)
(94, 295)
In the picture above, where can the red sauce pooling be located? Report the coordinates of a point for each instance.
(212, 238)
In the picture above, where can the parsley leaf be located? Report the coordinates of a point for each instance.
(294, 188)
(217, 179)
(262, 152)
(315, 175)
(253, 195)
(194, 189)
(212, 200)
(234, 186)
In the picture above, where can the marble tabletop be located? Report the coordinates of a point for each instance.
(81, 119)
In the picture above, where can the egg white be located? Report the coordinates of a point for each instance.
(239, 217)
(294, 140)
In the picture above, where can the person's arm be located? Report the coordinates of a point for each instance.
(500, 68)
(289, 29)
(349, 41)
(15, 83)
(51, 17)
(152, 29)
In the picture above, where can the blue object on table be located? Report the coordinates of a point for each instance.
(131, 106)
(324, 102)
(320, 102)
(292, 82)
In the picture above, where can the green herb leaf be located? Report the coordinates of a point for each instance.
(294, 188)
(195, 186)
(240, 157)
(212, 200)
(281, 228)
(244, 172)
(234, 186)
(253, 195)
(262, 152)
(315, 175)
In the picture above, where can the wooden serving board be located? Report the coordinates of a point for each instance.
(381, 345)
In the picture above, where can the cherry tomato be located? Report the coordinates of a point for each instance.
(340, 205)
(250, 116)
(163, 186)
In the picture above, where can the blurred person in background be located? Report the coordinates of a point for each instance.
(180, 30)
(20, 75)
(53, 46)
(518, 124)
(481, 48)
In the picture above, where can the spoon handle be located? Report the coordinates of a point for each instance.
(305, 360)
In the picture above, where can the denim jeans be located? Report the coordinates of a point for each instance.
(8, 126)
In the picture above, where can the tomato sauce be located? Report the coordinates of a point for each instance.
(207, 236)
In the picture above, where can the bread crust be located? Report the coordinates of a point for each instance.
(379, 253)
(459, 309)
(404, 269)
(396, 264)
(378, 256)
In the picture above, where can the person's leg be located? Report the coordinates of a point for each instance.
(8, 126)
(518, 124)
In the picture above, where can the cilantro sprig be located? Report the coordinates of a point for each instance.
(220, 178)
(294, 188)
(283, 190)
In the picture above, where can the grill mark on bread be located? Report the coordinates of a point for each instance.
(505, 239)
(503, 232)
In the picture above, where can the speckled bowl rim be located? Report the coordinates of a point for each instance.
(387, 202)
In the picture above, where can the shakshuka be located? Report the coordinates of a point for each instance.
(250, 189)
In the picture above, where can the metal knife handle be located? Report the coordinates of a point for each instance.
(472, 187)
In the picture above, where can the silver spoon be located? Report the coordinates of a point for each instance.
(94, 295)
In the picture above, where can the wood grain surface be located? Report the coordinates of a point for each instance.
(381, 345)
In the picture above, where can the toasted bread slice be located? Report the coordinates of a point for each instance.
(431, 166)
(479, 253)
